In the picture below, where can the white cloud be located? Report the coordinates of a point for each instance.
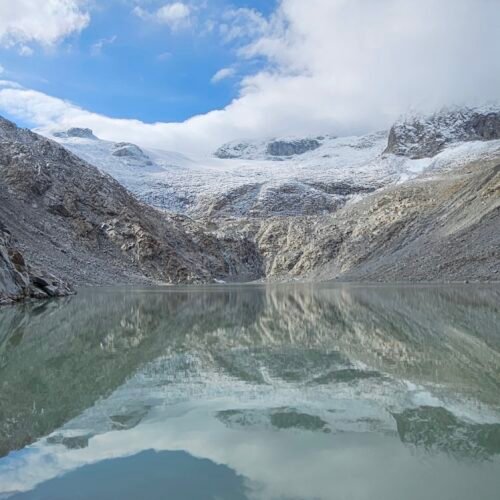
(2, 69)
(9, 84)
(175, 15)
(242, 24)
(97, 47)
(223, 74)
(337, 66)
(25, 50)
(45, 22)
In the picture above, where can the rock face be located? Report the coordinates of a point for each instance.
(19, 281)
(421, 137)
(291, 148)
(235, 150)
(78, 223)
(440, 228)
(272, 149)
(127, 150)
(82, 133)
(278, 199)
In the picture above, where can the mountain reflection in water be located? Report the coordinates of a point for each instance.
(290, 389)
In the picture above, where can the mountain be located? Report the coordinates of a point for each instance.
(71, 220)
(321, 176)
(443, 225)
(286, 176)
(351, 208)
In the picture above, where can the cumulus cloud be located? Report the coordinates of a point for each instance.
(338, 66)
(223, 74)
(45, 22)
(175, 15)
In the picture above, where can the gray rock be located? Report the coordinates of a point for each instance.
(291, 148)
(54, 201)
(82, 133)
(20, 281)
(132, 152)
(421, 137)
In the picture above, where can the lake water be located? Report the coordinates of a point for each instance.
(253, 392)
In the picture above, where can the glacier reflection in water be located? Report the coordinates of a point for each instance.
(282, 392)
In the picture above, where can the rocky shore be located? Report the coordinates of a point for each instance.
(19, 281)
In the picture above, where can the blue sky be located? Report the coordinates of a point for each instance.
(144, 70)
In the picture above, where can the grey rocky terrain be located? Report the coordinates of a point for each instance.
(71, 220)
(444, 227)
(19, 280)
(275, 148)
(425, 136)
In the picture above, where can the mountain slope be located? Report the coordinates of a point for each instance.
(328, 172)
(441, 226)
(70, 219)
(355, 213)
(19, 280)
(287, 176)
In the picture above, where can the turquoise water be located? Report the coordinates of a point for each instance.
(253, 392)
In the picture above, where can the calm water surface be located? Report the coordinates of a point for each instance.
(246, 392)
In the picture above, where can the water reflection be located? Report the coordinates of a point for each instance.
(255, 377)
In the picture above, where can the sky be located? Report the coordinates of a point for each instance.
(190, 75)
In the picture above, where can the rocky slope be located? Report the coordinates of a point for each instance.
(288, 176)
(19, 281)
(279, 177)
(380, 217)
(72, 220)
(442, 226)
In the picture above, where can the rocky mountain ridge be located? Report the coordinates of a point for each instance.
(383, 217)
(276, 149)
(425, 136)
(315, 182)
(73, 221)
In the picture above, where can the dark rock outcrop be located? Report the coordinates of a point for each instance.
(236, 150)
(422, 137)
(82, 133)
(19, 281)
(291, 148)
(275, 148)
(132, 153)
